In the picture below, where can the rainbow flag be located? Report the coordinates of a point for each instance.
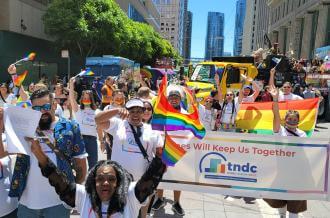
(258, 117)
(188, 100)
(146, 73)
(172, 152)
(166, 118)
(30, 57)
(18, 79)
(24, 104)
(87, 72)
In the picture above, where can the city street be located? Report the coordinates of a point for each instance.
(198, 205)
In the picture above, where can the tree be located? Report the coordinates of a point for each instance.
(96, 27)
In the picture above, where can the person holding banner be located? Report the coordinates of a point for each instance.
(62, 142)
(290, 128)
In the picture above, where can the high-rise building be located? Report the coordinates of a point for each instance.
(239, 24)
(214, 35)
(299, 27)
(187, 38)
(172, 21)
(142, 11)
(255, 25)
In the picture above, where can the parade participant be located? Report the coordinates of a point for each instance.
(62, 142)
(106, 91)
(309, 92)
(290, 128)
(174, 97)
(145, 93)
(265, 95)
(287, 94)
(109, 190)
(85, 116)
(148, 112)
(8, 206)
(135, 143)
(30, 88)
(207, 114)
(118, 100)
(6, 97)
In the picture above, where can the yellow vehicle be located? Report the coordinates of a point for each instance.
(229, 70)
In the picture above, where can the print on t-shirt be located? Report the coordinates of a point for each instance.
(130, 144)
(88, 117)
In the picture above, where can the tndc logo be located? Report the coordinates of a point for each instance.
(216, 166)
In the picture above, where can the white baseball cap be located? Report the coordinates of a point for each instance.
(135, 102)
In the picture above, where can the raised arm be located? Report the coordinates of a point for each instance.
(256, 90)
(218, 85)
(150, 179)
(57, 179)
(272, 77)
(73, 101)
(276, 113)
(103, 118)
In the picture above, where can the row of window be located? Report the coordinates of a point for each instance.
(285, 8)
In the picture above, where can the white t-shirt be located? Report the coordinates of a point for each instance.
(38, 193)
(227, 116)
(10, 100)
(59, 111)
(86, 120)
(289, 97)
(84, 205)
(7, 204)
(284, 132)
(127, 152)
(249, 98)
(207, 117)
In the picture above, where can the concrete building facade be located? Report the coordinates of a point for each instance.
(239, 24)
(300, 26)
(187, 38)
(214, 43)
(142, 11)
(172, 21)
(256, 25)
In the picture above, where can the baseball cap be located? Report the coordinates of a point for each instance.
(247, 87)
(135, 102)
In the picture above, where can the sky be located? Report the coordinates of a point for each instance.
(200, 8)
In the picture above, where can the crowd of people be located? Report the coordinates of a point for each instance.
(64, 170)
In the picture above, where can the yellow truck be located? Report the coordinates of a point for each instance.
(229, 70)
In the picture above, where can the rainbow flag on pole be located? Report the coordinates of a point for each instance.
(172, 152)
(166, 118)
(18, 79)
(258, 117)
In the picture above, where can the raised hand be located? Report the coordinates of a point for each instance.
(274, 92)
(12, 69)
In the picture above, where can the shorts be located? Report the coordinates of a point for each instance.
(293, 206)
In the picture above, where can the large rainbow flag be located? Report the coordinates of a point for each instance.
(257, 117)
(172, 152)
(166, 118)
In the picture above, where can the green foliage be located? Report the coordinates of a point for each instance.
(96, 27)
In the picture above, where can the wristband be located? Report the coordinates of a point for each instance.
(275, 100)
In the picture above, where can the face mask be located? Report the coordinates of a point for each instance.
(119, 101)
(86, 102)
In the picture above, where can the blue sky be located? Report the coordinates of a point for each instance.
(200, 8)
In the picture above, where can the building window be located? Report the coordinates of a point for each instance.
(134, 14)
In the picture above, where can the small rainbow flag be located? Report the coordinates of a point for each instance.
(24, 104)
(257, 117)
(30, 57)
(166, 118)
(146, 73)
(18, 79)
(87, 72)
(172, 152)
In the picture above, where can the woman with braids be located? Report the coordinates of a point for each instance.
(109, 190)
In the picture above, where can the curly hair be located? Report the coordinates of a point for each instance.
(118, 200)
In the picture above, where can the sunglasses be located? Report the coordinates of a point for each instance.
(286, 87)
(229, 94)
(148, 108)
(45, 107)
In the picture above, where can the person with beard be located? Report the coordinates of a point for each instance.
(62, 142)
(109, 190)
(290, 128)
(134, 142)
(85, 116)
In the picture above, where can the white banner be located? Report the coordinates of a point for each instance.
(251, 165)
